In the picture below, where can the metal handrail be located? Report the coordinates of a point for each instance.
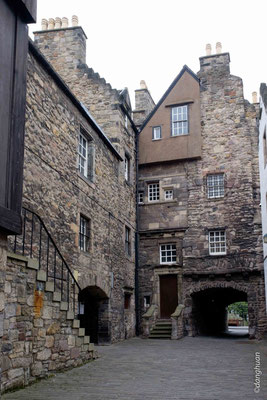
(37, 241)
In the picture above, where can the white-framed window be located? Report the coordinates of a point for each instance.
(168, 253)
(127, 240)
(179, 117)
(217, 242)
(153, 192)
(86, 156)
(215, 186)
(125, 121)
(146, 302)
(83, 155)
(156, 133)
(140, 197)
(168, 194)
(84, 234)
(127, 168)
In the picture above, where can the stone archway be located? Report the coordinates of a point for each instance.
(94, 314)
(209, 309)
(207, 301)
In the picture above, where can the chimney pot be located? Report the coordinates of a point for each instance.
(44, 24)
(254, 97)
(218, 48)
(74, 20)
(58, 23)
(65, 22)
(51, 23)
(208, 49)
(143, 84)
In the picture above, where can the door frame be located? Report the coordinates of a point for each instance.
(156, 286)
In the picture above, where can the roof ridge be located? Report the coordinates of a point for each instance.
(185, 68)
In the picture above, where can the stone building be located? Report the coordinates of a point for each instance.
(71, 273)
(263, 173)
(199, 217)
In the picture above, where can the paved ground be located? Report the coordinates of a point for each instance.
(192, 368)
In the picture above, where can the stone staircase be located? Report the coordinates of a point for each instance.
(41, 332)
(161, 330)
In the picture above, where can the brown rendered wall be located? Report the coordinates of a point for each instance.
(171, 148)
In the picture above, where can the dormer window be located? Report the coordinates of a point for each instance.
(156, 133)
(179, 117)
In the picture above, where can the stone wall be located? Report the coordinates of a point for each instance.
(229, 146)
(55, 190)
(38, 338)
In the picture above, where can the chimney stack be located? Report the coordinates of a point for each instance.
(74, 20)
(51, 23)
(143, 85)
(58, 23)
(218, 48)
(208, 49)
(44, 24)
(65, 22)
(254, 97)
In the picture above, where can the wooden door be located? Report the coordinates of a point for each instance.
(168, 295)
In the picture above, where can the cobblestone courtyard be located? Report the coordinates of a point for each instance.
(192, 368)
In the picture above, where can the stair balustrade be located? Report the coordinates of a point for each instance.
(36, 243)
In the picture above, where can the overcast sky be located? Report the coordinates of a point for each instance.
(152, 39)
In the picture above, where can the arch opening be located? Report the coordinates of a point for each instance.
(94, 314)
(210, 309)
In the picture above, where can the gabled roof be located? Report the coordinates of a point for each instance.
(178, 77)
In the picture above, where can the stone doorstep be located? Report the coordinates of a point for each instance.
(50, 286)
(76, 323)
(86, 340)
(81, 332)
(56, 296)
(64, 306)
(41, 276)
(70, 315)
(32, 263)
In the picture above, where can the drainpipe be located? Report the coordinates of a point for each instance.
(137, 238)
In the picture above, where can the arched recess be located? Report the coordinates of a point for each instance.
(208, 301)
(94, 314)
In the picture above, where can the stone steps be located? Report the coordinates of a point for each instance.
(49, 287)
(161, 330)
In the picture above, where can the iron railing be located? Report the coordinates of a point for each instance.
(37, 243)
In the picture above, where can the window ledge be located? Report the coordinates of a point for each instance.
(149, 203)
(183, 134)
(86, 180)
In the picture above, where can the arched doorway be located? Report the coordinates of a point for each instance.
(94, 314)
(209, 309)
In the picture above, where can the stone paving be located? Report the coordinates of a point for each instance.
(201, 368)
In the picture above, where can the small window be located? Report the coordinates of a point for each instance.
(125, 121)
(127, 301)
(168, 194)
(146, 302)
(215, 186)
(84, 234)
(127, 168)
(140, 197)
(156, 133)
(179, 118)
(153, 192)
(127, 241)
(168, 254)
(217, 242)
